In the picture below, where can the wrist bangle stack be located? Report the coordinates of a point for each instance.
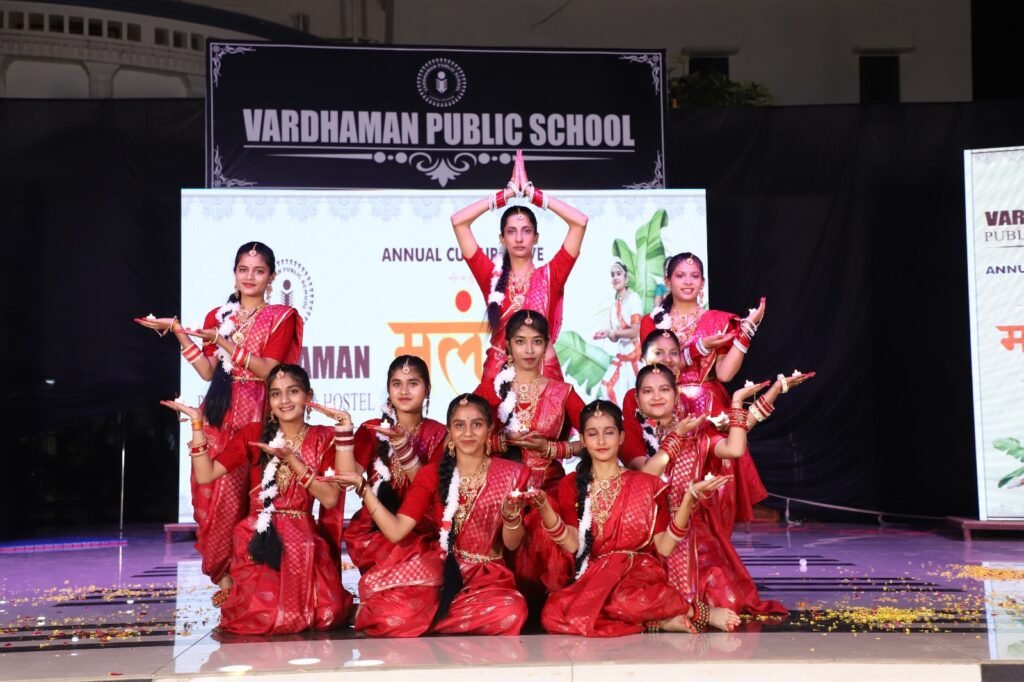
(199, 450)
(696, 495)
(343, 437)
(516, 520)
(539, 199)
(192, 353)
(737, 417)
(784, 382)
(404, 454)
(676, 531)
(761, 409)
(498, 443)
(306, 479)
(672, 445)
(238, 355)
(170, 327)
(197, 424)
(558, 532)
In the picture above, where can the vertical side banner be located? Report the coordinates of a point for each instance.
(994, 194)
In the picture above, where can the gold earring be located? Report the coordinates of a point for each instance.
(700, 297)
(268, 292)
(451, 448)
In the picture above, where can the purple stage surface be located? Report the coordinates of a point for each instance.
(99, 608)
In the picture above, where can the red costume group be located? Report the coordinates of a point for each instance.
(625, 586)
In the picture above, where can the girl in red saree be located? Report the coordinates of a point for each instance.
(285, 578)
(391, 450)
(704, 565)
(241, 342)
(512, 282)
(713, 345)
(660, 346)
(617, 524)
(461, 584)
(535, 414)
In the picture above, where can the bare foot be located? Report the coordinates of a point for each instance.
(678, 624)
(723, 619)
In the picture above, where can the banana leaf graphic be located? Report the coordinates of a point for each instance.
(1013, 448)
(585, 363)
(646, 264)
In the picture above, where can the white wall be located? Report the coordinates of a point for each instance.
(805, 51)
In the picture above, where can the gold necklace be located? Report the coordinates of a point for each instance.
(530, 394)
(397, 472)
(684, 324)
(283, 476)
(517, 287)
(603, 493)
(469, 489)
(244, 320)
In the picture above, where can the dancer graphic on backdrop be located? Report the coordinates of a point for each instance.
(624, 331)
(511, 281)
(282, 564)
(242, 341)
(462, 586)
(713, 345)
(616, 524)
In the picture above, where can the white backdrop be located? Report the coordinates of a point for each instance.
(995, 265)
(378, 273)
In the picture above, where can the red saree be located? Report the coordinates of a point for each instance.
(366, 545)
(540, 567)
(306, 593)
(400, 599)
(700, 391)
(219, 506)
(544, 294)
(625, 584)
(704, 564)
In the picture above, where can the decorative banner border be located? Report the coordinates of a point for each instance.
(321, 117)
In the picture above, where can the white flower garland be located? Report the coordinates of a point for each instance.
(507, 407)
(225, 318)
(499, 261)
(383, 472)
(269, 488)
(585, 522)
(451, 503)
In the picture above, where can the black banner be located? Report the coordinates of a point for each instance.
(292, 116)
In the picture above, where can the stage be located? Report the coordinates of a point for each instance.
(890, 603)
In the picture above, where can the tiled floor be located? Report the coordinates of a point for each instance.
(860, 596)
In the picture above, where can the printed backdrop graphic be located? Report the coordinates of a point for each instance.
(995, 265)
(378, 273)
(291, 116)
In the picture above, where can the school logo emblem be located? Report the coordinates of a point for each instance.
(441, 82)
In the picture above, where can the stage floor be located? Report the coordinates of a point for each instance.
(861, 596)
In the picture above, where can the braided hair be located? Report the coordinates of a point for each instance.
(503, 380)
(670, 266)
(494, 307)
(218, 396)
(585, 473)
(385, 491)
(452, 581)
(266, 548)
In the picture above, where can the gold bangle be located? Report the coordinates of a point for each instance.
(197, 424)
(515, 527)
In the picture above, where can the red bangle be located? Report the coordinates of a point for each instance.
(672, 444)
(674, 529)
(499, 198)
(306, 479)
(192, 353)
(538, 198)
(238, 355)
(557, 529)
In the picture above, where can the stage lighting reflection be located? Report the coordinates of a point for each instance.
(235, 669)
(304, 661)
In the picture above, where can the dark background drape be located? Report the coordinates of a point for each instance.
(850, 219)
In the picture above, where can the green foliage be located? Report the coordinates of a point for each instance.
(691, 90)
(583, 362)
(646, 263)
(1013, 448)
(1011, 476)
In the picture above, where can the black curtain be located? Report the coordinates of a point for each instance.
(850, 219)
